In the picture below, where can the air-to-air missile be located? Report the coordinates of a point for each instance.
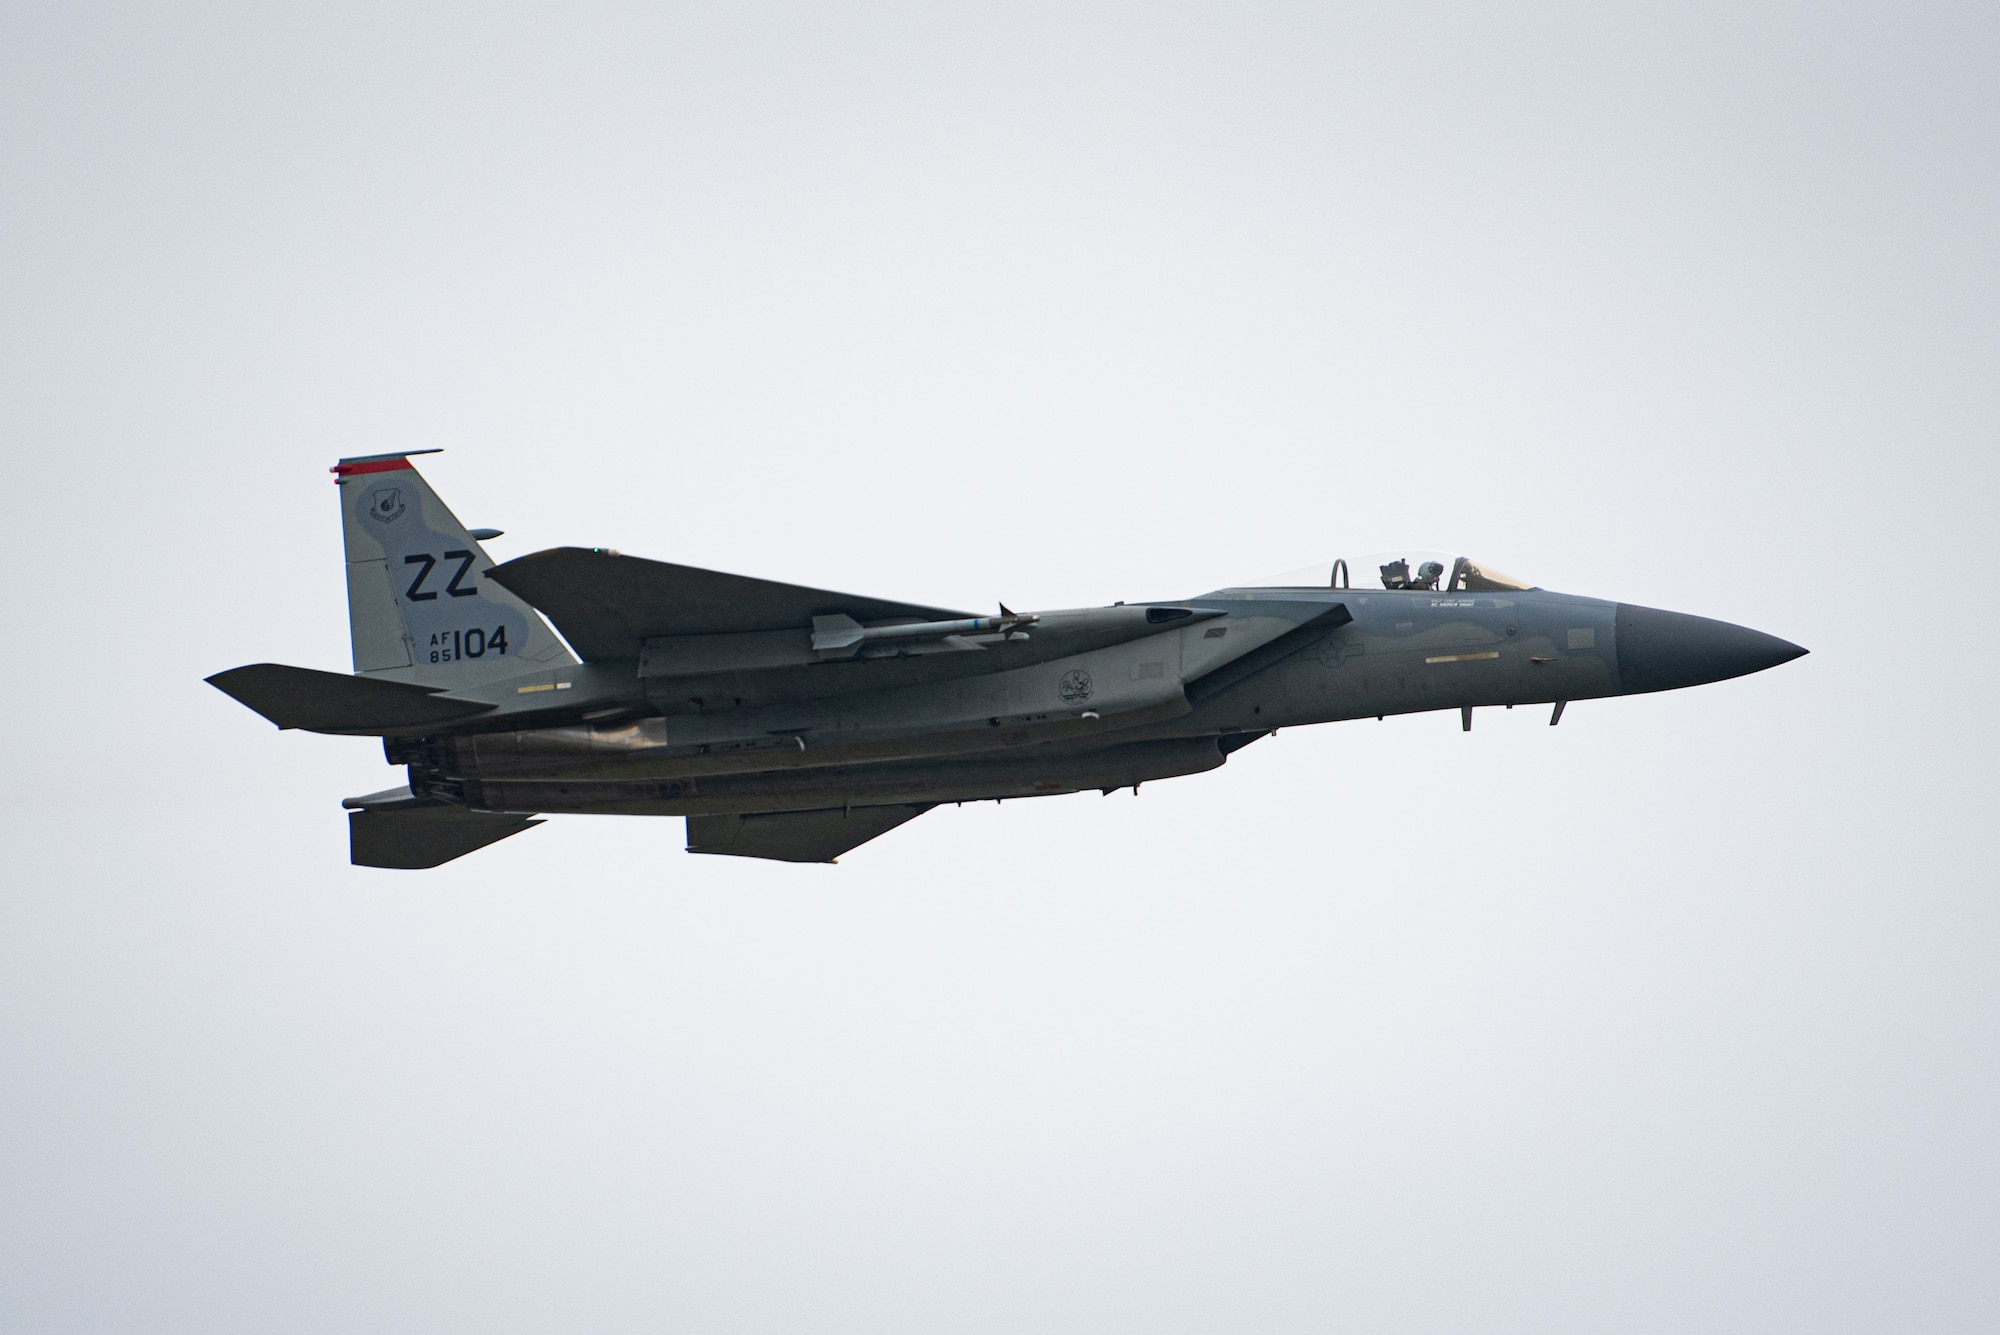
(794, 723)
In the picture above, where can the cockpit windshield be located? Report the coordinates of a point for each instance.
(1410, 568)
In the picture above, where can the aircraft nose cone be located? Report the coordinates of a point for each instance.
(1662, 651)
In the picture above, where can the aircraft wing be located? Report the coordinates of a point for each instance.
(795, 836)
(607, 605)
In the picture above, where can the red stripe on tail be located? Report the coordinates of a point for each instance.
(373, 466)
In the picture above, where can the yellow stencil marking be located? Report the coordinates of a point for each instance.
(1463, 658)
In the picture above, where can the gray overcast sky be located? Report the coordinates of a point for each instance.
(1679, 1017)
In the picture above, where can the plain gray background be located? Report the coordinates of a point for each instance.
(1679, 1017)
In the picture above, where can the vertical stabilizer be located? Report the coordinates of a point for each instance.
(419, 604)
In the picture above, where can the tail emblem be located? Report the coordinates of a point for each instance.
(386, 505)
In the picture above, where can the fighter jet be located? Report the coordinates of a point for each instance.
(795, 723)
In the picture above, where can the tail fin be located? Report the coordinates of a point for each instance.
(419, 604)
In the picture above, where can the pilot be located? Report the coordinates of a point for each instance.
(1396, 575)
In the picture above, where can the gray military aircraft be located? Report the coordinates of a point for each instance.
(793, 723)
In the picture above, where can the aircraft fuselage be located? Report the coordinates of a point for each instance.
(1108, 717)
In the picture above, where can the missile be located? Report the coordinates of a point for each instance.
(841, 636)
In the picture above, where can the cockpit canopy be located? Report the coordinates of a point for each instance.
(1465, 574)
(1410, 568)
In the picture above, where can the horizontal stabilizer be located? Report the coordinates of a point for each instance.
(607, 605)
(413, 837)
(795, 836)
(296, 697)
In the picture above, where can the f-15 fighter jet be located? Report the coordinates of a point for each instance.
(794, 723)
